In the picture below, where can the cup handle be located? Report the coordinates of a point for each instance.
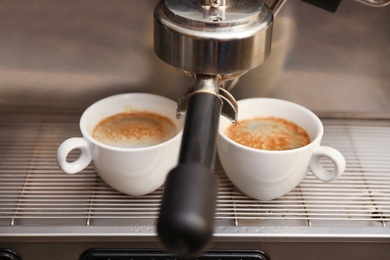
(69, 145)
(332, 154)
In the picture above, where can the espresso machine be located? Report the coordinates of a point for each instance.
(58, 57)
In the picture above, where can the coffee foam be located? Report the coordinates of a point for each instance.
(134, 130)
(268, 133)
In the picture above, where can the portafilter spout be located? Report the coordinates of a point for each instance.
(213, 41)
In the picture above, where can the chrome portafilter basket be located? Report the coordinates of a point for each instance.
(215, 42)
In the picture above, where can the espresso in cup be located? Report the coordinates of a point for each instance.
(268, 133)
(268, 174)
(133, 141)
(134, 129)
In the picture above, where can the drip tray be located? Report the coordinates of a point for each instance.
(37, 198)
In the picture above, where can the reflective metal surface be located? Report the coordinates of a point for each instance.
(334, 64)
(225, 40)
(35, 192)
(45, 213)
(375, 3)
(66, 54)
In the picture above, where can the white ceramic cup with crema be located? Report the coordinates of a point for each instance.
(134, 171)
(269, 174)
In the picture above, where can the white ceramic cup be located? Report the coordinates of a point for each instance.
(265, 174)
(134, 171)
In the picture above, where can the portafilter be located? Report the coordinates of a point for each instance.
(215, 42)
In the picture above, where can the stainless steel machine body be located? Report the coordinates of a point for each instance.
(57, 57)
(233, 37)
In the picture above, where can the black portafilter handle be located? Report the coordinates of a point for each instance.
(186, 221)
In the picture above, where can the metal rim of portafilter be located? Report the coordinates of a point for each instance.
(215, 42)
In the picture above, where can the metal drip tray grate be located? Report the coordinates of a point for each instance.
(35, 192)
